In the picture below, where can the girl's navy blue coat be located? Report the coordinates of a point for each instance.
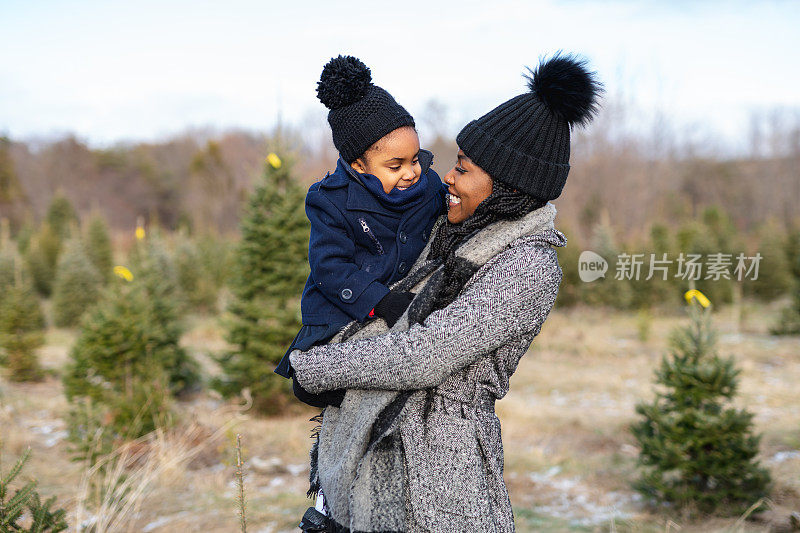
(357, 248)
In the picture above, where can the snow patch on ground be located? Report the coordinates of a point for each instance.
(164, 520)
(571, 499)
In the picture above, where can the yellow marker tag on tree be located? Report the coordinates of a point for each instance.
(274, 160)
(140, 233)
(123, 272)
(699, 296)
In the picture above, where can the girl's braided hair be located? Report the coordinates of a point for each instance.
(504, 203)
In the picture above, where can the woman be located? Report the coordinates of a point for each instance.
(415, 445)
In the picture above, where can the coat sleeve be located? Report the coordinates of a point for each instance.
(330, 255)
(512, 297)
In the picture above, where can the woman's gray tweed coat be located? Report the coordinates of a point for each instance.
(395, 458)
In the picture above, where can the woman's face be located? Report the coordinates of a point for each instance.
(469, 185)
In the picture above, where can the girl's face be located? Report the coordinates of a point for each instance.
(469, 186)
(394, 160)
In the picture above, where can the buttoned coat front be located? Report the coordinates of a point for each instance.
(437, 464)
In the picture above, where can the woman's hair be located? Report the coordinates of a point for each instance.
(504, 203)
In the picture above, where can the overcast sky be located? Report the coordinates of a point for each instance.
(110, 71)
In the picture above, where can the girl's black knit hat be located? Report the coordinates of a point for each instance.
(360, 112)
(524, 142)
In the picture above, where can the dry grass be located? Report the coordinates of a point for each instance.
(568, 455)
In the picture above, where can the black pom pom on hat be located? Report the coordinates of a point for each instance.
(565, 85)
(360, 111)
(525, 142)
(344, 80)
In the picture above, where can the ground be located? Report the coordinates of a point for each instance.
(569, 457)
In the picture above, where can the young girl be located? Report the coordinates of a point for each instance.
(370, 218)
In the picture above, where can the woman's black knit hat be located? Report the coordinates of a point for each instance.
(360, 112)
(524, 142)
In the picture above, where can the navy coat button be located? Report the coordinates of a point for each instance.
(347, 294)
(424, 236)
(403, 237)
(402, 267)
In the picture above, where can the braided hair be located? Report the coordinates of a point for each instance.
(504, 203)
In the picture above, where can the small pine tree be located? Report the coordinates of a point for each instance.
(42, 257)
(789, 322)
(12, 197)
(24, 236)
(61, 216)
(8, 267)
(77, 285)
(774, 271)
(570, 290)
(98, 246)
(656, 290)
(21, 324)
(156, 273)
(216, 256)
(120, 365)
(696, 453)
(43, 518)
(607, 291)
(271, 268)
(197, 285)
(714, 233)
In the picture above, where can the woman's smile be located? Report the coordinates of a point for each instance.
(453, 200)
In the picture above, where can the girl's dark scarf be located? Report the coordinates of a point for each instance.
(395, 201)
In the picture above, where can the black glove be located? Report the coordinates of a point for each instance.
(393, 305)
(323, 399)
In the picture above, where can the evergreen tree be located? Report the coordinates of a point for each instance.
(98, 246)
(21, 324)
(217, 257)
(12, 197)
(43, 519)
(789, 323)
(697, 453)
(8, 266)
(77, 285)
(271, 269)
(774, 270)
(120, 366)
(155, 272)
(714, 233)
(61, 216)
(42, 257)
(656, 290)
(196, 283)
(607, 291)
(570, 291)
(24, 236)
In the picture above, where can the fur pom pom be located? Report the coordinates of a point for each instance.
(344, 80)
(564, 85)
